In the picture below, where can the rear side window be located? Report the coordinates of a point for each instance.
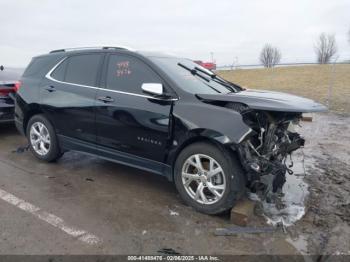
(79, 69)
(126, 73)
(37, 64)
(83, 69)
(60, 71)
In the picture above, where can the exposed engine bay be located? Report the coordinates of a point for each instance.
(265, 150)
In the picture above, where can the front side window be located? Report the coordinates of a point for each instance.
(79, 69)
(126, 73)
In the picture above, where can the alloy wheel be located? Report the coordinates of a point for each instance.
(203, 179)
(40, 138)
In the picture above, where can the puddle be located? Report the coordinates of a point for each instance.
(299, 243)
(295, 191)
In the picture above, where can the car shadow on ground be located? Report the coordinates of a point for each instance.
(7, 129)
(90, 168)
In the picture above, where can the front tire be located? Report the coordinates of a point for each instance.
(208, 178)
(42, 139)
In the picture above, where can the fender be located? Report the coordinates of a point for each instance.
(227, 128)
(189, 123)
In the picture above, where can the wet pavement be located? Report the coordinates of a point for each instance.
(134, 212)
(290, 206)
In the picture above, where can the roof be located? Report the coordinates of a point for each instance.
(92, 48)
(61, 52)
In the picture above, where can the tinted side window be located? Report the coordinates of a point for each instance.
(83, 69)
(37, 64)
(127, 74)
(60, 71)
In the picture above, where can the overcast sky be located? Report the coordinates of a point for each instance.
(191, 28)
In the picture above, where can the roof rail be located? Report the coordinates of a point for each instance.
(92, 47)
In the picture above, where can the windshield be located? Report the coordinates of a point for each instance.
(192, 77)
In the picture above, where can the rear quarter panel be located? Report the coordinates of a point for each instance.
(27, 99)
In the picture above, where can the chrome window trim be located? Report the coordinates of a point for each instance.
(48, 76)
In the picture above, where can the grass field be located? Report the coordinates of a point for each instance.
(308, 81)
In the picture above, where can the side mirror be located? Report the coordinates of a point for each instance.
(152, 88)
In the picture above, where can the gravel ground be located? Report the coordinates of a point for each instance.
(326, 225)
(134, 212)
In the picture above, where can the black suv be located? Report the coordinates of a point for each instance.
(163, 114)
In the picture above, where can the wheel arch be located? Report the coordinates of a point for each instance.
(196, 136)
(235, 184)
(33, 110)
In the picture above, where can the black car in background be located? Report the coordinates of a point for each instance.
(163, 114)
(8, 85)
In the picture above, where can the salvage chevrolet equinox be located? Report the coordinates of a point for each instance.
(164, 114)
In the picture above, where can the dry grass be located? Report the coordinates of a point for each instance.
(308, 81)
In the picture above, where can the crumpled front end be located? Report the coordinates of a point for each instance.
(265, 150)
(271, 116)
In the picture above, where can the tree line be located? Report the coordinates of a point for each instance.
(325, 49)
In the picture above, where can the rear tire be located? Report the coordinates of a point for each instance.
(217, 193)
(42, 139)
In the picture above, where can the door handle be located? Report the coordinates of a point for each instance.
(50, 88)
(105, 99)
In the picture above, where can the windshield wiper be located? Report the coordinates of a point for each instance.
(219, 80)
(194, 72)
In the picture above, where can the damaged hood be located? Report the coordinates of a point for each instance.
(268, 100)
